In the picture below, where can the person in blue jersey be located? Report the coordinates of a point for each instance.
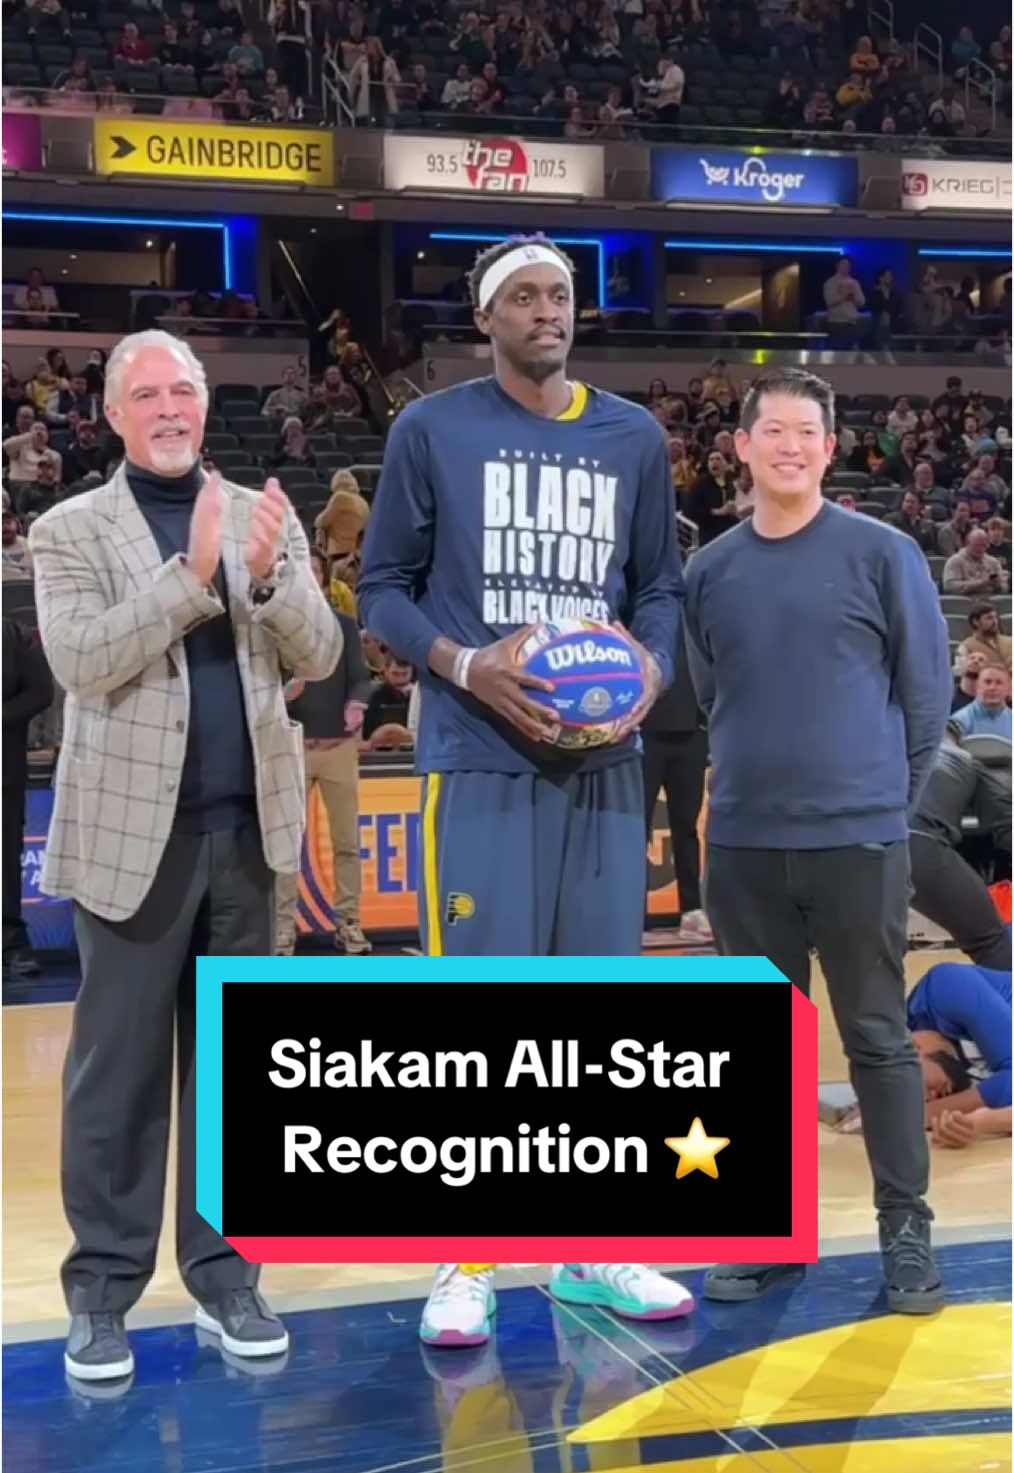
(960, 1015)
(504, 502)
(814, 781)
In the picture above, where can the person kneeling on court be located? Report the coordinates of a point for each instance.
(169, 604)
(960, 1020)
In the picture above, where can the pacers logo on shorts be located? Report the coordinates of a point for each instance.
(459, 908)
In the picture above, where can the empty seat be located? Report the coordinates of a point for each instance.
(237, 393)
(956, 603)
(850, 480)
(360, 445)
(260, 445)
(246, 423)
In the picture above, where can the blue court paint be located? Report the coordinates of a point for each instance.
(358, 1392)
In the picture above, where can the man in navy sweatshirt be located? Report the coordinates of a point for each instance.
(814, 781)
(505, 502)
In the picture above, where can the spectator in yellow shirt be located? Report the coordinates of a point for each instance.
(864, 59)
(853, 92)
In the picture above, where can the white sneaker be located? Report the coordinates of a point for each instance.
(694, 927)
(631, 1290)
(460, 1308)
(350, 938)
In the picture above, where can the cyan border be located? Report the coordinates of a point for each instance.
(213, 972)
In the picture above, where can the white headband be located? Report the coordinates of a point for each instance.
(522, 255)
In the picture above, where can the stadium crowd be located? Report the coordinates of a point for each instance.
(580, 69)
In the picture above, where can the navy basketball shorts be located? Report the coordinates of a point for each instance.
(533, 865)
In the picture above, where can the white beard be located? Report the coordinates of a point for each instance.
(172, 462)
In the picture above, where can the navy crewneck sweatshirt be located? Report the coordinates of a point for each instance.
(217, 789)
(821, 660)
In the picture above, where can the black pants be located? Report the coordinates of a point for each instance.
(677, 763)
(212, 896)
(950, 894)
(849, 905)
(15, 935)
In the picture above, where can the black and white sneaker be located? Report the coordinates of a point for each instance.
(97, 1348)
(910, 1270)
(244, 1323)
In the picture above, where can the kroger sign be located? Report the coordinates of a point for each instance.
(717, 176)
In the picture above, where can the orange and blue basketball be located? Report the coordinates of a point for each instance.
(596, 677)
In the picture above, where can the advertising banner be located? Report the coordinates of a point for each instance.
(50, 923)
(388, 850)
(389, 853)
(490, 165)
(956, 184)
(728, 176)
(22, 141)
(173, 150)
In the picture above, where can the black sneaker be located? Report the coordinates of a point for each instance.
(21, 961)
(97, 1348)
(245, 1323)
(910, 1271)
(739, 1281)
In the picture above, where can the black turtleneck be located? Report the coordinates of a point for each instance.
(217, 789)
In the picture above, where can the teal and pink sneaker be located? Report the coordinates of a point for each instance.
(460, 1308)
(631, 1290)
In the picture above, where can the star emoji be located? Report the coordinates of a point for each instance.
(697, 1150)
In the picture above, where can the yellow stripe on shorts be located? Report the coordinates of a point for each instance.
(431, 873)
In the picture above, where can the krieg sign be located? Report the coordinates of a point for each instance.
(955, 184)
(490, 165)
(728, 176)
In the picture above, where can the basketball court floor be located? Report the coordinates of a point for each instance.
(815, 1378)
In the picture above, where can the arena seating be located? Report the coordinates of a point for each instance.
(732, 63)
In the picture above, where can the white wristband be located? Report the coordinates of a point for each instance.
(459, 671)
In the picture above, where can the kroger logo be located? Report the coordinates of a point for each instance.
(753, 174)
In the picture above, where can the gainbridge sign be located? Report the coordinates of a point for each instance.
(490, 165)
(173, 150)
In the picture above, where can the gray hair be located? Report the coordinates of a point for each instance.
(127, 349)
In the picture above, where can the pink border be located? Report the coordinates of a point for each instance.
(800, 1247)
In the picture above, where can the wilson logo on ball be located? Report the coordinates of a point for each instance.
(566, 656)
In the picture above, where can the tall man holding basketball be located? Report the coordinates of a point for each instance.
(506, 502)
(820, 656)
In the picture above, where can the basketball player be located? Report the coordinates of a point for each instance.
(820, 656)
(504, 502)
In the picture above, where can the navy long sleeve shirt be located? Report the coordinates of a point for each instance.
(488, 517)
(821, 661)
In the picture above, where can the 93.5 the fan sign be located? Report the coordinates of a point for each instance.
(596, 677)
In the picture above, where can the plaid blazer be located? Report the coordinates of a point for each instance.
(112, 616)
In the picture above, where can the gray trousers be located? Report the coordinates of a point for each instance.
(212, 896)
(850, 906)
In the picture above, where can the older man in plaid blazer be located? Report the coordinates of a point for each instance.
(169, 605)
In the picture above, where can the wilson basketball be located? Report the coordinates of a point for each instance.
(595, 674)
